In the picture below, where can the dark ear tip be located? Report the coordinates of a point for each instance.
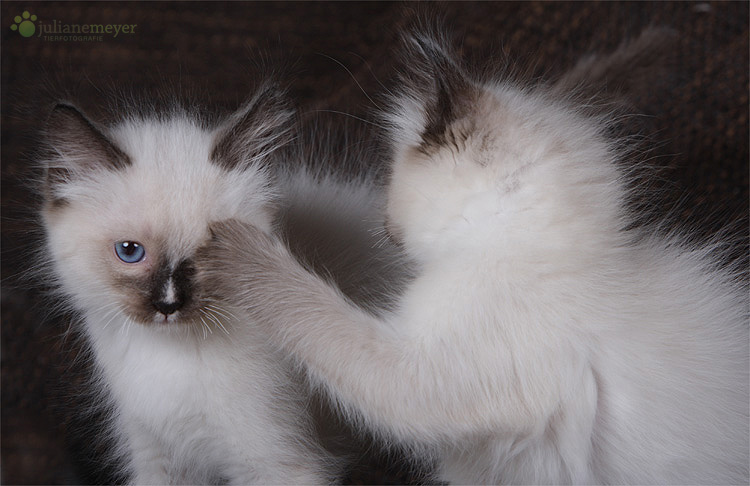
(428, 31)
(427, 50)
(67, 127)
(274, 88)
(62, 111)
(421, 40)
(62, 107)
(262, 125)
(273, 94)
(423, 37)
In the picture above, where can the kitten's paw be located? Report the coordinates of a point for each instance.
(233, 254)
(243, 266)
(233, 234)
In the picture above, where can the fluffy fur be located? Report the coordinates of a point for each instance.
(197, 395)
(543, 340)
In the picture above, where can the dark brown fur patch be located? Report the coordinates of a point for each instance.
(446, 90)
(141, 295)
(182, 280)
(255, 130)
(136, 296)
(70, 132)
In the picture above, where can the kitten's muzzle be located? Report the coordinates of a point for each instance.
(172, 288)
(167, 308)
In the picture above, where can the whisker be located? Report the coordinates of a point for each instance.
(107, 305)
(126, 328)
(206, 328)
(218, 311)
(215, 320)
(222, 312)
(218, 323)
(353, 77)
(382, 241)
(382, 127)
(115, 312)
(369, 68)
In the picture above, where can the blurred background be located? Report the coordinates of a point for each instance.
(338, 55)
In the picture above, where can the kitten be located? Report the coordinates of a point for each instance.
(543, 339)
(197, 395)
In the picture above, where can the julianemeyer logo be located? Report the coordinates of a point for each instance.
(27, 24)
(24, 24)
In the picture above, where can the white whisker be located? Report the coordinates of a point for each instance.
(206, 328)
(222, 312)
(115, 312)
(215, 320)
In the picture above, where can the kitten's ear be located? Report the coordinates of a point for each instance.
(79, 146)
(259, 128)
(436, 91)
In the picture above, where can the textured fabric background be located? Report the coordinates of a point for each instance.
(339, 54)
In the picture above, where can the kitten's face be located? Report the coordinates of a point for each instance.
(123, 236)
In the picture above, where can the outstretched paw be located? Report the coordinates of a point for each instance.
(234, 236)
(246, 268)
(233, 255)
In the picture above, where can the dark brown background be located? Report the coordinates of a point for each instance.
(698, 124)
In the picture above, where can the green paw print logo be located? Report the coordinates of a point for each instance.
(24, 24)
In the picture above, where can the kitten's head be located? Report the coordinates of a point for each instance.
(477, 161)
(127, 207)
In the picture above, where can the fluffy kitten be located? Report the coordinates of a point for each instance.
(543, 340)
(198, 396)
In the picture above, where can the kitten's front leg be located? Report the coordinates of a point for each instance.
(257, 273)
(344, 349)
(148, 463)
(383, 375)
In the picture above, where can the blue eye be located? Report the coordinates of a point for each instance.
(129, 251)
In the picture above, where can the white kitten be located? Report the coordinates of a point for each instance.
(542, 341)
(198, 396)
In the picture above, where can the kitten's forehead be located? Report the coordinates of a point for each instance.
(170, 192)
(165, 145)
(171, 188)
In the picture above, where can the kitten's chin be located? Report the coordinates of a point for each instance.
(171, 325)
(161, 321)
(166, 320)
(203, 322)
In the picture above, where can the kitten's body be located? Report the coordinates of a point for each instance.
(542, 341)
(195, 410)
(197, 394)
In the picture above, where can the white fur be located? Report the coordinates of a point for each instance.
(191, 406)
(541, 342)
